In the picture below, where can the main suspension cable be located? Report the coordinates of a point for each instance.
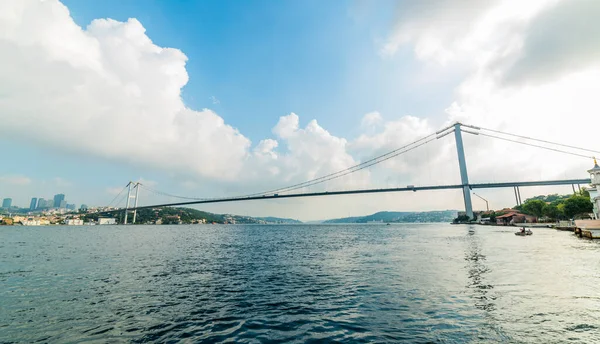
(351, 169)
(540, 140)
(356, 170)
(368, 163)
(533, 145)
(111, 202)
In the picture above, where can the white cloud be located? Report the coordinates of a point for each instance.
(15, 180)
(371, 119)
(499, 42)
(266, 148)
(312, 152)
(106, 90)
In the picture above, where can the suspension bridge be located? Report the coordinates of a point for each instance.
(457, 129)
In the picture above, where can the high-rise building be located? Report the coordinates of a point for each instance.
(71, 206)
(45, 203)
(83, 207)
(63, 204)
(33, 203)
(57, 199)
(7, 203)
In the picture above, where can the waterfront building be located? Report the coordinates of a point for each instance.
(74, 222)
(107, 221)
(7, 203)
(30, 221)
(595, 190)
(19, 219)
(58, 199)
(591, 228)
(33, 204)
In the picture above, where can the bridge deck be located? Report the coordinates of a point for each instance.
(366, 191)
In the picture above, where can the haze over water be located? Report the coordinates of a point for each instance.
(298, 283)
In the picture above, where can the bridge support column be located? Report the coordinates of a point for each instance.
(463, 170)
(127, 205)
(137, 191)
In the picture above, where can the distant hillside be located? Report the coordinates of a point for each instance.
(271, 219)
(397, 216)
(170, 215)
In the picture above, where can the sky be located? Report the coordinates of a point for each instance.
(225, 98)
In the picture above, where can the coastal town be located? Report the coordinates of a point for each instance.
(579, 212)
(57, 211)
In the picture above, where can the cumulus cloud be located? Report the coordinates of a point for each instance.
(15, 180)
(372, 119)
(536, 43)
(563, 38)
(106, 90)
(312, 151)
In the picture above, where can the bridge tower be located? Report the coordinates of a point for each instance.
(463, 170)
(136, 186)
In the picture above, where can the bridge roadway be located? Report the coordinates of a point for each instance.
(366, 191)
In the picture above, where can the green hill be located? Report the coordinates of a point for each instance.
(171, 215)
(403, 217)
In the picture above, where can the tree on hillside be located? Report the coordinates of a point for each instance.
(552, 211)
(534, 207)
(577, 205)
(554, 197)
(584, 193)
(462, 219)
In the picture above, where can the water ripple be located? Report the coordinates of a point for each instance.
(251, 284)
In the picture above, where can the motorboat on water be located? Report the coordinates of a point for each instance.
(524, 232)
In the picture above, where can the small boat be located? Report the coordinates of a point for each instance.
(525, 232)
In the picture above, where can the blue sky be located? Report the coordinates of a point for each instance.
(252, 64)
(265, 59)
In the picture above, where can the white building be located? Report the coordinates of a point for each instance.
(107, 221)
(74, 222)
(592, 227)
(30, 222)
(595, 190)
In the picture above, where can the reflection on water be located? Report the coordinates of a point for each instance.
(477, 270)
(369, 283)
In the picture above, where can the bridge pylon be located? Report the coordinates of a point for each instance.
(464, 176)
(136, 186)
